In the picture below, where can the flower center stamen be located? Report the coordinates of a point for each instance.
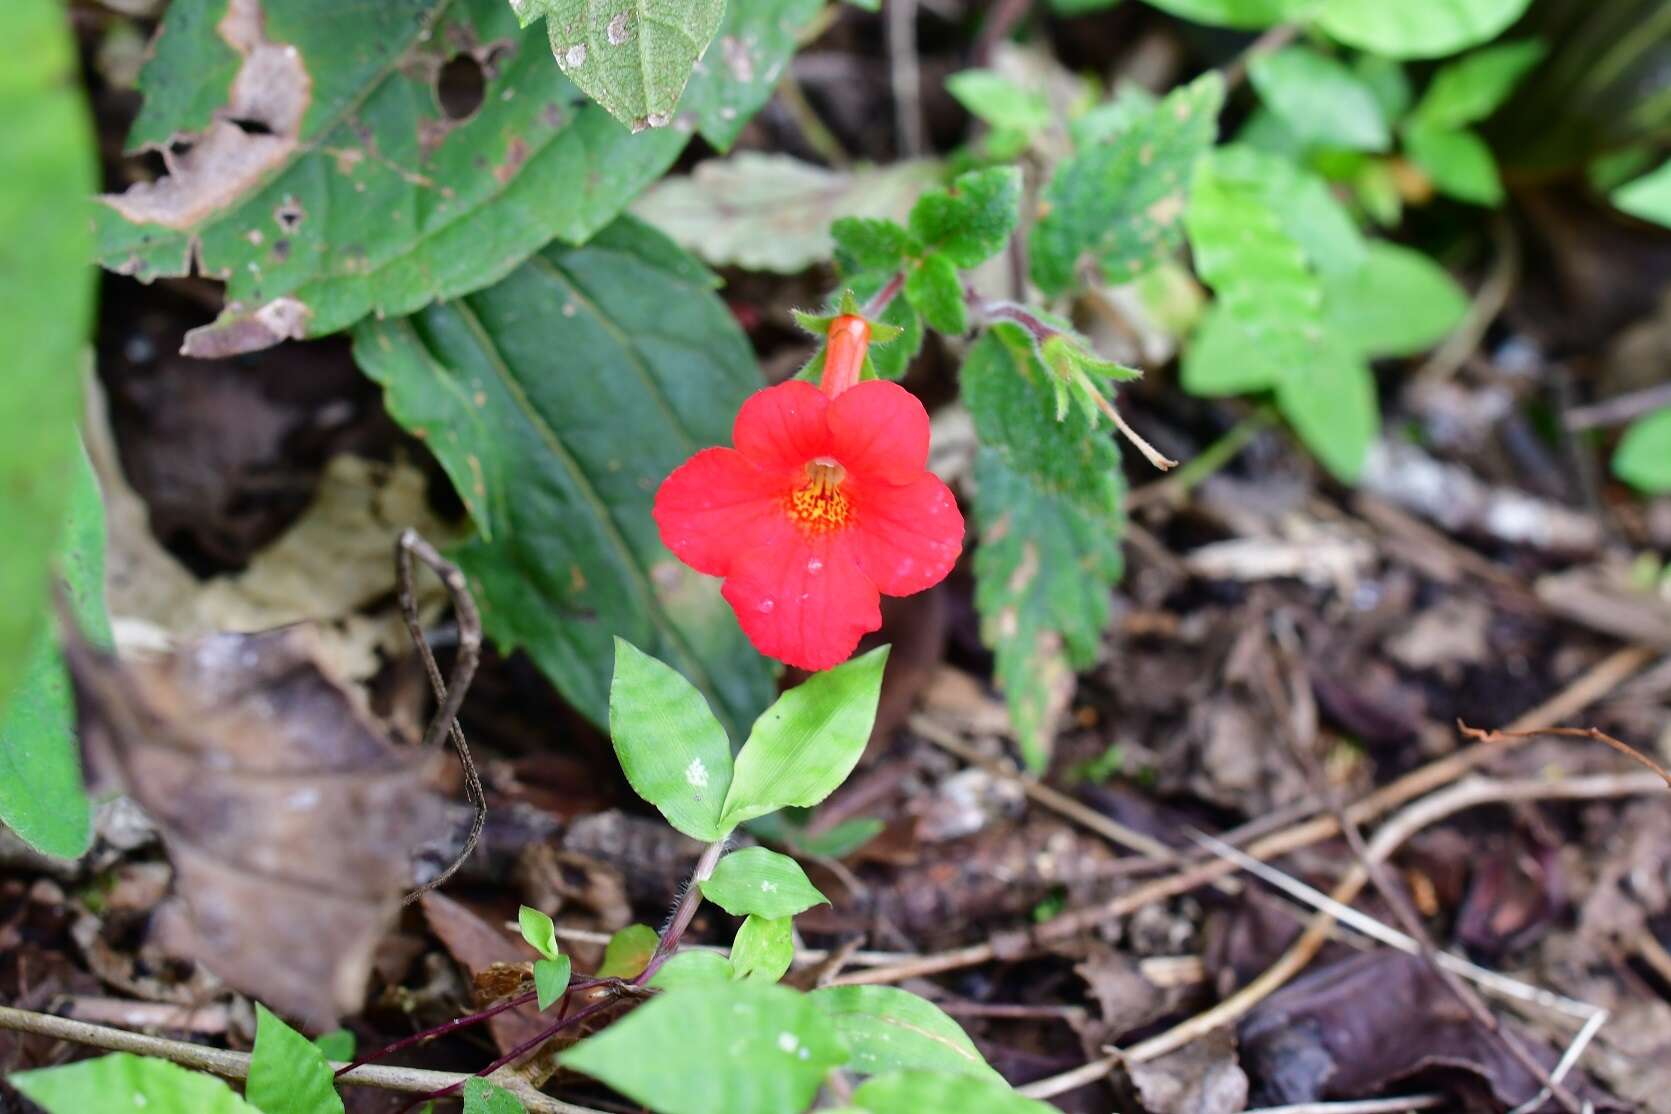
(819, 506)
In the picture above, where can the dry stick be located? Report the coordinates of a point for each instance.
(906, 77)
(1619, 409)
(235, 1065)
(1361, 1106)
(1595, 733)
(1595, 683)
(449, 696)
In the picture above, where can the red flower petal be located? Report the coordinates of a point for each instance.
(803, 600)
(716, 505)
(879, 430)
(783, 427)
(906, 536)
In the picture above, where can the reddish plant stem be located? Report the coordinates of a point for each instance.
(683, 913)
(884, 297)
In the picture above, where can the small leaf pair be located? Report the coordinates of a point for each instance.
(553, 969)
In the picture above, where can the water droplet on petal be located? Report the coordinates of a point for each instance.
(765, 606)
(814, 565)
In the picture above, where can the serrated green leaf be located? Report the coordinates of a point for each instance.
(920, 1092)
(628, 952)
(631, 56)
(538, 931)
(1458, 162)
(869, 244)
(672, 749)
(482, 1097)
(1398, 303)
(288, 1074)
(363, 196)
(971, 220)
(46, 300)
(691, 967)
(1245, 14)
(1320, 99)
(805, 745)
(1001, 102)
(1331, 404)
(763, 949)
(888, 1029)
(1119, 202)
(736, 1048)
(761, 883)
(1470, 89)
(1417, 28)
(41, 794)
(121, 1083)
(1047, 505)
(1647, 197)
(551, 979)
(556, 401)
(1643, 458)
(934, 288)
(773, 212)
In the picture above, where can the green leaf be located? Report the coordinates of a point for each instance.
(631, 56)
(736, 1048)
(121, 1083)
(288, 1074)
(773, 212)
(972, 220)
(871, 244)
(338, 1045)
(1417, 28)
(763, 949)
(1331, 404)
(628, 952)
(47, 149)
(1458, 161)
(1320, 99)
(538, 931)
(559, 463)
(805, 745)
(918, 1092)
(551, 978)
(1398, 303)
(482, 1097)
(1047, 506)
(762, 883)
(672, 749)
(1643, 458)
(755, 41)
(1305, 208)
(1119, 202)
(1470, 89)
(999, 101)
(692, 967)
(363, 196)
(1246, 14)
(888, 1029)
(1647, 197)
(935, 290)
(1386, 79)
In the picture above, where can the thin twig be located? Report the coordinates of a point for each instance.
(235, 1065)
(1619, 409)
(1175, 487)
(813, 129)
(1594, 733)
(1359, 1106)
(906, 77)
(449, 695)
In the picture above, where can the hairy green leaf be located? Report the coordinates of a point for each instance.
(1119, 201)
(1457, 160)
(1470, 89)
(121, 1083)
(672, 749)
(557, 400)
(805, 745)
(1647, 197)
(734, 1048)
(888, 1029)
(1643, 458)
(763, 949)
(1417, 28)
(482, 1097)
(46, 300)
(919, 1092)
(1047, 505)
(936, 291)
(761, 883)
(871, 244)
(1320, 99)
(1398, 303)
(288, 1074)
(971, 220)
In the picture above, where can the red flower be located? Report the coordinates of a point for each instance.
(824, 505)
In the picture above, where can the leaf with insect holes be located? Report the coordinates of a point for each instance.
(1048, 508)
(1118, 202)
(934, 289)
(1643, 458)
(1320, 99)
(324, 180)
(917, 1092)
(805, 744)
(730, 1048)
(551, 979)
(763, 949)
(482, 1097)
(288, 1074)
(1417, 28)
(888, 1029)
(559, 471)
(538, 931)
(48, 150)
(121, 1083)
(674, 752)
(628, 952)
(969, 221)
(762, 883)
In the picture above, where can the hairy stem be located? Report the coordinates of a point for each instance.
(683, 913)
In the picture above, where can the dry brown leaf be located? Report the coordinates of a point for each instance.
(289, 815)
(487, 954)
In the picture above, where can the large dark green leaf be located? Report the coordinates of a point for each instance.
(557, 400)
(358, 193)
